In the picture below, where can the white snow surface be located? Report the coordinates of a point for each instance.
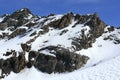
(108, 70)
(1, 19)
(104, 54)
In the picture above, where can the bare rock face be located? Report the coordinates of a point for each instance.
(25, 47)
(32, 58)
(22, 62)
(21, 13)
(63, 22)
(63, 61)
(3, 26)
(45, 63)
(19, 18)
(14, 63)
(97, 26)
(82, 18)
(17, 32)
(70, 61)
(6, 67)
(32, 55)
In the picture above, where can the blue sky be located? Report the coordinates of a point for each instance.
(108, 10)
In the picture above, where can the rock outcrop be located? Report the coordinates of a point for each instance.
(63, 61)
(25, 47)
(19, 18)
(14, 63)
(97, 27)
(45, 63)
(63, 22)
(17, 32)
(3, 26)
(61, 57)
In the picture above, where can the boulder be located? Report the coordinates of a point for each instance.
(66, 60)
(6, 68)
(32, 55)
(46, 63)
(70, 60)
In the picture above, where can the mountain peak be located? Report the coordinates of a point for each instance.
(95, 14)
(22, 13)
(19, 18)
(54, 43)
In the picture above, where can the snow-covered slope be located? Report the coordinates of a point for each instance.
(107, 70)
(81, 34)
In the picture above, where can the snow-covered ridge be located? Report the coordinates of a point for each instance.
(84, 35)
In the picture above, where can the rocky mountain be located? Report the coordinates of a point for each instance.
(54, 43)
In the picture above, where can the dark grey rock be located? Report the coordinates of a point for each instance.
(46, 63)
(66, 60)
(25, 47)
(17, 32)
(63, 22)
(3, 26)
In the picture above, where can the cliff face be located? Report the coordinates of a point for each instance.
(50, 43)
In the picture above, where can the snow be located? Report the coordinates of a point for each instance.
(47, 52)
(53, 37)
(5, 31)
(101, 51)
(30, 16)
(109, 70)
(104, 54)
(1, 19)
(15, 44)
(21, 9)
(53, 18)
(23, 27)
(87, 29)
